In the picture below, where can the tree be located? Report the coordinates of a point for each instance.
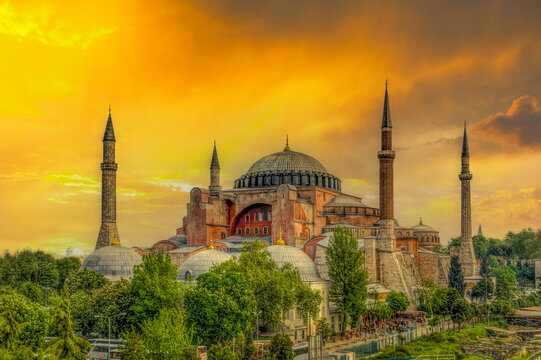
(66, 345)
(154, 287)
(32, 291)
(456, 278)
(460, 312)
(85, 280)
(397, 301)
(281, 347)
(524, 245)
(276, 289)
(220, 306)
(324, 328)
(485, 268)
(27, 312)
(219, 352)
(505, 283)
(112, 301)
(82, 312)
(483, 289)
(66, 266)
(167, 336)
(245, 347)
(348, 277)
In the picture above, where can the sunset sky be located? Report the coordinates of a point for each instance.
(179, 74)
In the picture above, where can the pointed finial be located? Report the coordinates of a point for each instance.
(211, 247)
(280, 240)
(465, 147)
(386, 83)
(214, 163)
(287, 144)
(109, 110)
(115, 241)
(386, 120)
(109, 134)
(421, 220)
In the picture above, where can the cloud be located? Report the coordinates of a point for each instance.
(519, 127)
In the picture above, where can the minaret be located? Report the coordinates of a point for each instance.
(480, 230)
(467, 254)
(386, 238)
(215, 187)
(108, 231)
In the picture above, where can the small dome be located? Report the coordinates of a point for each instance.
(423, 227)
(114, 262)
(201, 263)
(179, 239)
(283, 254)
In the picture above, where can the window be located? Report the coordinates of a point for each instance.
(247, 231)
(257, 216)
(188, 275)
(256, 231)
(265, 230)
(265, 215)
(222, 235)
(239, 231)
(247, 219)
(302, 334)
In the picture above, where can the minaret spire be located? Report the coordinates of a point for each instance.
(467, 254)
(215, 188)
(287, 144)
(108, 231)
(386, 157)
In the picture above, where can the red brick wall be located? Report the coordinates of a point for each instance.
(253, 223)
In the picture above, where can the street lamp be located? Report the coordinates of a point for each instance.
(109, 336)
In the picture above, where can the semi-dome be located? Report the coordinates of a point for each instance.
(114, 262)
(200, 263)
(283, 254)
(288, 167)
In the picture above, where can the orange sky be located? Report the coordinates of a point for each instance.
(179, 74)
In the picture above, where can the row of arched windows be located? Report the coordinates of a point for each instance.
(258, 216)
(256, 231)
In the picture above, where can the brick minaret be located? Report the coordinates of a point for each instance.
(215, 187)
(386, 239)
(467, 254)
(108, 230)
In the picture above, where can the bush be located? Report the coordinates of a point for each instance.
(281, 347)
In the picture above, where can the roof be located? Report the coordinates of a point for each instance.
(386, 120)
(109, 134)
(423, 228)
(235, 243)
(285, 161)
(114, 262)
(201, 263)
(283, 254)
(179, 240)
(465, 148)
(186, 249)
(344, 200)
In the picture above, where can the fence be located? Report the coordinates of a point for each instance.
(373, 347)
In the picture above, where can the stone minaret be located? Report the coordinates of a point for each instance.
(386, 239)
(108, 231)
(467, 254)
(480, 230)
(215, 187)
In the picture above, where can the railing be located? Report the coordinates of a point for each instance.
(436, 357)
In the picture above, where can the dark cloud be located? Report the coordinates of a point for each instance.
(520, 126)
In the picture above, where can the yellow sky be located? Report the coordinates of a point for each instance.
(179, 74)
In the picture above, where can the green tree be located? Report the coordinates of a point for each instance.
(27, 312)
(505, 283)
(66, 266)
(485, 268)
(167, 336)
(245, 347)
(32, 291)
(82, 312)
(460, 312)
(281, 347)
(324, 328)
(483, 289)
(525, 244)
(112, 301)
(66, 345)
(10, 330)
(220, 306)
(85, 280)
(154, 287)
(276, 289)
(219, 352)
(397, 301)
(348, 277)
(456, 277)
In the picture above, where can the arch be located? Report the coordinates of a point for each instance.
(248, 213)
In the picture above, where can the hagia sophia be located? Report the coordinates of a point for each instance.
(291, 202)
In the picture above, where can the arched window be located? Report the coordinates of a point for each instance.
(239, 231)
(188, 275)
(399, 233)
(256, 231)
(257, 216)
(247, 231)
(265, 230)
(265, 215)
(247, 219)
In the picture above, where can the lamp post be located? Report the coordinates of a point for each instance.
(257, 325)
(109, 335)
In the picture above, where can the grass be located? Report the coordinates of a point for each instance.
(448, 342)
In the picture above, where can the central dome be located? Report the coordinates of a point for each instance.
(286, 161)
(287, 167)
